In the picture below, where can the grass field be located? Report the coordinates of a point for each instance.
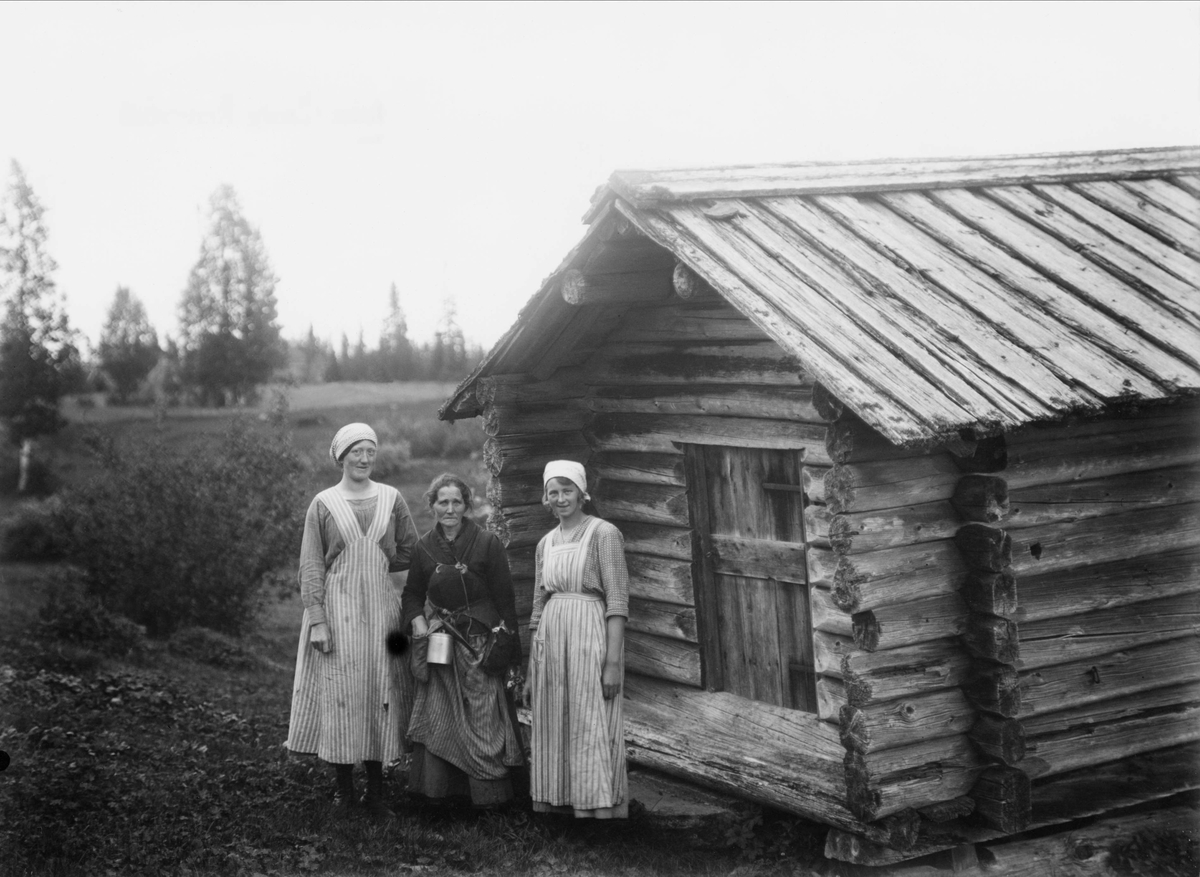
(167, 758)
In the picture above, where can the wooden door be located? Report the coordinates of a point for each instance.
(751, 578)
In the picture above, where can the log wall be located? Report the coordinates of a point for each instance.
(1084, 592)
(986, 615)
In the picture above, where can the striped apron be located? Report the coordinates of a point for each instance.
(578, 740)
(347, 705)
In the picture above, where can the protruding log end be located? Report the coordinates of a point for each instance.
(1001, 739)
(574, 287)
(847, 587)
(994, 688)
(485, 391)
(863, 801)
(994, 638)
(983, 547)
(689, 285)
(866, 630)
(1002, 798)
(989, 455)
(497, 525)
(826, 404)
(981, 498)
(850, 439)
(853, 729)
(991, 593)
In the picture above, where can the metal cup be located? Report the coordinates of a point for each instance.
(441, 648)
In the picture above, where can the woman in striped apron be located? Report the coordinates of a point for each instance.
(351, 698)
(464, 741)
(576, 661)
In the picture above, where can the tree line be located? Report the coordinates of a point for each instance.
(228, 343)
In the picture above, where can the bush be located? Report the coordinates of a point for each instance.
(85, 621)
(210, 647)
(392, 460)
(172, 539)
(33, 535)
(428, 437)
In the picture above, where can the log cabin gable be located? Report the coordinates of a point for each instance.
(983, 603)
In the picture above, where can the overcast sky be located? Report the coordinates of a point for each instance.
(452, 148)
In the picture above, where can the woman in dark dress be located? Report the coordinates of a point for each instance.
(463, 739)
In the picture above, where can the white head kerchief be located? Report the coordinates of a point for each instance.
(348, 435)
(568, 469)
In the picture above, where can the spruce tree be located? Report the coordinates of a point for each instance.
(229, 335)
(128, 344)
(37, 349)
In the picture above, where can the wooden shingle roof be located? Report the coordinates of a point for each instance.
(935, 296)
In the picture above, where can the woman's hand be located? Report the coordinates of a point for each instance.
(320, 638)
(527, 691)
(420, 626)
(610, 679)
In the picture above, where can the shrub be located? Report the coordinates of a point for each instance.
(33, 534)
(210, 647)
(392, 460)
(171, 538)
(429, 437)
(85, 621)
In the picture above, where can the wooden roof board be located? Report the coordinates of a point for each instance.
(643, 188)
(1006, 291)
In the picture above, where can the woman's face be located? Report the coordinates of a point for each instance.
(359, 461)
(449, 508)
(564, 497)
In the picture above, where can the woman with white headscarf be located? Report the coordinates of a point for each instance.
(576, 660)
(351, 698)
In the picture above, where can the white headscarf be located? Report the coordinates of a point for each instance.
(568, 469)
(348, 435)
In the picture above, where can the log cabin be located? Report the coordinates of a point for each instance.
(905, 456)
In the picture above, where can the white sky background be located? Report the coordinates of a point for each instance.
(452, 148)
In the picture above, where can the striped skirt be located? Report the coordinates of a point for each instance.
(460, 716)
(578, 741)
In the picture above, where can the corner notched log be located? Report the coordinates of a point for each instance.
(984, 548)
(982, 498)
(993, 638)
(875, 677)
(827, 405)
(906, 624)
(904, 722)
(991, 593)
(1002, 798)
(994, 688)
(516, 454)
(987, 455)
(895, 575)
(606, 289)
(1002, 739)
(858, 532)
(892, 780)
(850, 440)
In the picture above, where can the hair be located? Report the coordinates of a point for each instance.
(588, 504)
(447, 479)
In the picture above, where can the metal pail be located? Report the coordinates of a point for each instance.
(441, 648)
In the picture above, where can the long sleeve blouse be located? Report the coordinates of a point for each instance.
(604, 574)
(481, 552)
(323, 542)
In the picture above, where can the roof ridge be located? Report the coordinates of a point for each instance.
(645, 188)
